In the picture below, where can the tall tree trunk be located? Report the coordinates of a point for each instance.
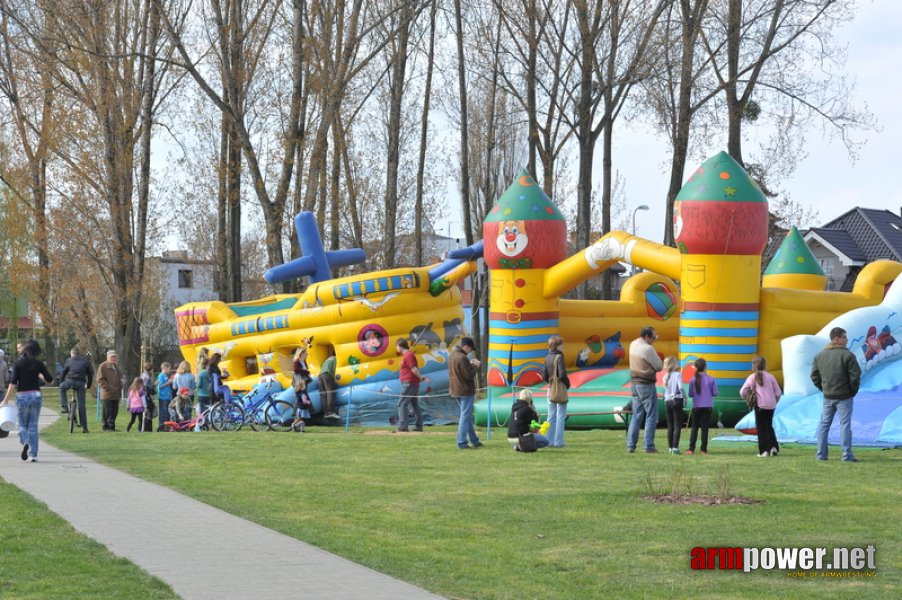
(393, 150)
(233, 216)
(680, 127)
(531, 79)
(335, 193)
(464, 127)
(424, 135)
(734, 106)
(222, 212)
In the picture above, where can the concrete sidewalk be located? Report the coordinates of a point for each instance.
(220, 556)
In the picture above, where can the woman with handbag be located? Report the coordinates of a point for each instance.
(556, 376)
(762, 392)
(519, 432)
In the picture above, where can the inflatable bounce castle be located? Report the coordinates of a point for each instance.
(358, 319)
(722, 309)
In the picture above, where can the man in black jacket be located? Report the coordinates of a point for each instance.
(78, 375)
(836, 373)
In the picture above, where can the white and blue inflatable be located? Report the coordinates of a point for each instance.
(875, 337)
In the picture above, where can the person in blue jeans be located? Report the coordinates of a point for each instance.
(836, 373)
(25, 384)
(78, 375)
(164, 393)
(557, 412)
(645, 362)
(462, 381)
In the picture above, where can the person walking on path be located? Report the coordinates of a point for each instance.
(767, 391)
(77, 376)
(462, 381)
(557, 411)
(109, 377)
(25, 384)
(645, 363)
(326, 383)
(702, 390)
(410, 377)
(836, 373)
(4, 370)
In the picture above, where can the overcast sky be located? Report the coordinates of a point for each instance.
(826, 179)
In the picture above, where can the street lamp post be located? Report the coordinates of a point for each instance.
(635, 210)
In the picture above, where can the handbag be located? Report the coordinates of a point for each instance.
(528, 443)
(557, 391)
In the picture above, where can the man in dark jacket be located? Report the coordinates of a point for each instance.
(78, 375)
(462, 381)
(836, 373)
(111, 383)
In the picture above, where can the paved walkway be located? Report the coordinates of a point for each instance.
(199, 562)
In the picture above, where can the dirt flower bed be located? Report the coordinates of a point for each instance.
(706, 499)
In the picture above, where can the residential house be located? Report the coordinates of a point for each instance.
(182, 279)
(849, 242)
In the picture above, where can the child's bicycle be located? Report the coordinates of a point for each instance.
(188, 424)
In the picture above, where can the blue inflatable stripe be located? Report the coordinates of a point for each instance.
(728, 381)
(498, 324)
(706, 349)
(716, 315)
(370, 285)
(715, 365)
(718, 332)
(518, 354)
(521, 339)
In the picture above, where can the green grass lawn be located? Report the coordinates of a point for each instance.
(561, 523)
(44, 557)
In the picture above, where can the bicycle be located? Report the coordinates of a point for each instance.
(246, 411)
(227, 415)
(73, 417)
(284, 416)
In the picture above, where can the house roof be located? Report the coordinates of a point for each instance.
(840, 241)
(876, 233)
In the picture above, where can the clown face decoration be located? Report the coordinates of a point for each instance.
(512, 238)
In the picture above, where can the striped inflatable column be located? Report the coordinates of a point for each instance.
(524, 235)
(720, 228)
(520, 323)
(720, 323)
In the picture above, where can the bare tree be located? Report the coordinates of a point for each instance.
(612, 54)
(239, 38)
(103, 56)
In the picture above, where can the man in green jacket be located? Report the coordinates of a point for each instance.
(836, 373)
